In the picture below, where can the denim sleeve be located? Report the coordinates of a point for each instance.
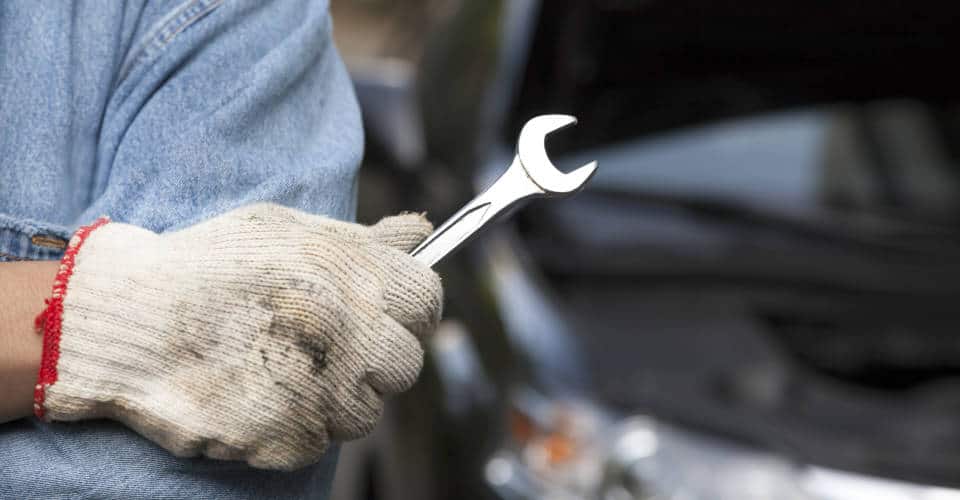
(224, 103)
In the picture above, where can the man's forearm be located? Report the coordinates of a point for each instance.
(23, 287)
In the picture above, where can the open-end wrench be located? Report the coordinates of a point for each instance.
(531, 175)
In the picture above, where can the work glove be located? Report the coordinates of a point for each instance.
(260, 335)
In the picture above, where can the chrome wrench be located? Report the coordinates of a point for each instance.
(531, 175)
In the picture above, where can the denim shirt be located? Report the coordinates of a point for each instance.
(161, 114)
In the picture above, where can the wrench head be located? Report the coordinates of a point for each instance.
(533, 156)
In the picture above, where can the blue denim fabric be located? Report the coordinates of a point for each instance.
(161, 114)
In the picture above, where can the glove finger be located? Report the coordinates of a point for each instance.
(219, 450)
(279, 454)
(403, 232)
(413, 294)
(354, 409)
(393, 358)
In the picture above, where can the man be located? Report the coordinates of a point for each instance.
(203, 341)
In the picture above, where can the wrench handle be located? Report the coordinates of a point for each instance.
(509, 189)
(452, 234)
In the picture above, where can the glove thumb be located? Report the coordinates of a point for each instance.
(403, 232)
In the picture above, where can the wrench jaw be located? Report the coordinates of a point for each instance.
(574, 181)
(532, 155)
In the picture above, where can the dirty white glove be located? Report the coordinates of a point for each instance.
(259, 335)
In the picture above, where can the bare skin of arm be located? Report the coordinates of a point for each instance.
(23, 287)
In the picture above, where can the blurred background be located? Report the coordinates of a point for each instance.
(756, 297)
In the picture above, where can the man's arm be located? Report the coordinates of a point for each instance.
(23, 287)
(248, 104)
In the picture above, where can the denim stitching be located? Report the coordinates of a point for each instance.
(16, 239)
(165, 30)
(10, 257)
(15, 246)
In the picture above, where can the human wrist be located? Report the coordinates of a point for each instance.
(23, 288)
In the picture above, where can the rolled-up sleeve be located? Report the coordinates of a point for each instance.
(224, 103)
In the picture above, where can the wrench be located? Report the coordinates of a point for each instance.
(531, 175)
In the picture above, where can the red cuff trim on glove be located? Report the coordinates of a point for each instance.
(49, 322)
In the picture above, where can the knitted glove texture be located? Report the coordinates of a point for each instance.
(259, 335)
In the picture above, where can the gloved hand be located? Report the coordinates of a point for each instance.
(259, 335)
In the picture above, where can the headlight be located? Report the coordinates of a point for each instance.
(573, 450)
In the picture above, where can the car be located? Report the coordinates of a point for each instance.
(756, 297)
